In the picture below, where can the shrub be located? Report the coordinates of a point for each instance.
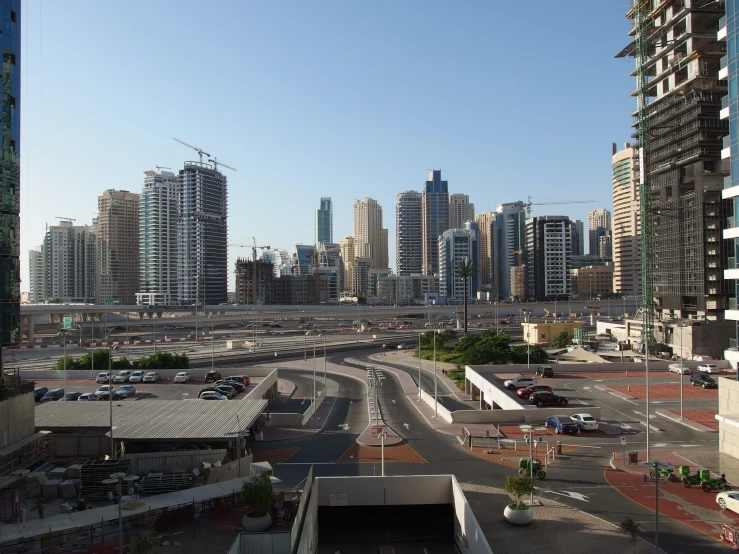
(519, 487)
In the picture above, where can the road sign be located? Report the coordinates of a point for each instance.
(623, 441)
(67, 323)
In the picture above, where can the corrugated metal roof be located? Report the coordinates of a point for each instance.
(156, 419)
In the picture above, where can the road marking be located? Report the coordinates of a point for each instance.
(586, 388)
(645, 415)
(393, 401)
(571, 494)
(688, 445)
(406, 426)
(624, 426)
(344, 426)
(659, 444)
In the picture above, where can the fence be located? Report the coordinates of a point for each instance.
(187, 460)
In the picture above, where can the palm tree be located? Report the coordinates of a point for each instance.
(465, 270)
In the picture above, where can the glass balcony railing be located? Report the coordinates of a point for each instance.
(732, 303)
(722, 22)
(727, 182)
(726, 141)
(725, 101)
(730, 263)
(730, 222)
(733, 344)
(723, 62)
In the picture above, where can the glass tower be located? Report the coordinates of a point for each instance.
(435, 219)
(324, 222)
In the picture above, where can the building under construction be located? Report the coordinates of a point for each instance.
(270, 289)
(679, 133)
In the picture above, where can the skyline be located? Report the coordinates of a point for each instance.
(362, 122)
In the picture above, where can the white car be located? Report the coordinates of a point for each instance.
(708, 368)
(136, 377)
(103, 377)
(675, 368)
(586, 422)
(123, 376)
(152, 377)
(728, 500)
(105, 389)
(182, 377)
(212, 395)
(519, 382)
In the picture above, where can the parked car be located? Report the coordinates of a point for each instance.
(243, 379)
(152, 377)
(544, 371)
(402, 346)
(124, 392)
(728, 500)
(39, 392)
(136, 376)
(104, 391)
(122, 376)
(53, 394)
(562, 424)
(519, 382)
(212, 376)
(73, 396)
(102, 377)
(219, 390)
(705, 381)
(237, 386)
(675, 368)
(708, 368)
(528, 391)
(87, 396)
(275, 325)
(182, 377)
(212, 395)
(547, 399)
(586, 422)
(227, 389)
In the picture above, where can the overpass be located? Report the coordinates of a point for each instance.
(32, 314)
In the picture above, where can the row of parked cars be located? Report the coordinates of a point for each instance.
(535, 393)
(43, 394)
(225, 389)
(128, 376)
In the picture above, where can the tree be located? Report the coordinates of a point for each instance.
(630, 528)
(465, 270)
(518, 487)
(257, 493)
(561, 340)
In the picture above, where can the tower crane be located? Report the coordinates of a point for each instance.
(200, 151)
(528, 204)
(254, 258)
(216, 163)
(160, 167)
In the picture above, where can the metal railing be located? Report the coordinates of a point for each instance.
(731, 263)
(12, 390)
(732, 303)
(730, 222)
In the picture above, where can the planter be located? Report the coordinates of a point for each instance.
(256, 524)
(518, 517)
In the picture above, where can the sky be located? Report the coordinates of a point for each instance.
(324, 98)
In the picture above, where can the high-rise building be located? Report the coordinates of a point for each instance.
(605, 245)
(357, 276)
(455, 246)
(117, 247)
(70, 262)
(460, 211)
(302, 259)
(409, 233)
(485, 222)
(578, 237)
(10, 247)
(626, 222)
(599, 224)
(324, 222)
(503, 241)
(592, 281)
(158, 220)
(370, 239)
(684, 168)
(202, 231)
(435, 219)
(548, 245)
(37, 275)
(281, 261)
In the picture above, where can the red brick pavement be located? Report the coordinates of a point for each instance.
(704, 417)
(665, 391)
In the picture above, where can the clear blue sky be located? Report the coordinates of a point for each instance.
(322, 98)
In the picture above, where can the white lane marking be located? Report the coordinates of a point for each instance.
(406, 426)
(571, 494)
(344, 426)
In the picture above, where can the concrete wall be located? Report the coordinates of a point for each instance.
(297, 528)
(544, 333)
(17, 419)
(309, 535)
(313, 407)
(442, 411)
(467, 533)
(263, 543)
(34, 374)
(285, 420)
(73, 445)
(386, 491)
(728, 407)
(537, 415)
(593, 369)
(164, 461)
(494, 392)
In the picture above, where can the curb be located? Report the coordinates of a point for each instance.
(450, 385)
(694, 425)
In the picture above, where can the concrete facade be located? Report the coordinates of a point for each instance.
(728, 416)
(543, 333)
(16, 419)
(461, 210)
(370, 239)
(589, 282)
(118, 247)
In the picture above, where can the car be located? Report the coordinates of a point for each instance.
(136, 377)
(212, 395)
(227, 389)
(168, 328)
(222, 391)
(239, 386)
(386, 346)
(586, 422)
(528, 391)
(104, 390)
(728, 500)
(39, 392)
(102, 377)
(708, 368)
(73, 396)
(152, 377)
(87, 396)
(124, 392)
(562, 424)
(53, 394)
(212, 376)
(249, 326)
(520, 382)
(675, 368)
(179, 327)
(402, 346)
(233, 325)
(705, 381)
(544, 398)
(275, 325)
(182, 377)
(544, 371)
(122, 376)
(243, 379)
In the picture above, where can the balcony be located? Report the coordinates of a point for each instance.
(733, 345)
(726, 150)
(723, 70)
(721, 35)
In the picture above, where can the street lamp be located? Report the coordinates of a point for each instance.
(680, 326)
(529, 432)
(117, 480)
(655, 466)
(436, 395)
(65, 334)
(325, 371)
(314, 367)
(419, 367)
(212, 317)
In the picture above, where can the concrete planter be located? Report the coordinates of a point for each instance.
(518, 517)
(256, 524)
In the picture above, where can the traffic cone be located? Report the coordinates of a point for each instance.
(628, 388)
(627, 373)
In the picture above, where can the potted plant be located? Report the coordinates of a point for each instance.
(257, 493)
(518, 512)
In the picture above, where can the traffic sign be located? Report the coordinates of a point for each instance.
(67, 323)
(623, 441)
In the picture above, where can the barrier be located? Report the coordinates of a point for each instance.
(313, 407)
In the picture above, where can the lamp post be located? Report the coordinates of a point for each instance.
(197, 303)
(212, 317)
(155, 333)
(110, 399)
(680, 326)
(436, 395)
(655, 466)
(325, 370)
(419, 367)
(314, 367)
(64, 335)
(496, 318)
(117, 480)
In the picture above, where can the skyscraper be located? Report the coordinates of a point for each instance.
(578, 237)
(460, 211)
(485, 222)
(202, 231)
(158, 219)
(503, 242)
(370, 239)
(435, 219)
(70, 262)
(599, 224)
(10, 268)
(455, 246)
(626, 222)
(548, 245)
(324, 222)
(37, 274)
(118, 247)
(409, 233)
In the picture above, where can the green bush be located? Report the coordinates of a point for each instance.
(561, 340)
(158, 360)
(518, 487)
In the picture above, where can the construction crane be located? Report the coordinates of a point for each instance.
(64, 218)
(160, 167)
(528, 204)
(254, 248)
(216, 163)
(314, 257)
(200, 151)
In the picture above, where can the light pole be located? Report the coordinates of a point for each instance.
(212, 317)
(65, 334)
(655, 466)
(117, 480)
(680, 326)
(325, 370)
(110, 399)
(419, 367)
(496, 318)
(314, 367)
(197, 303)
(436, 395)
(528, 349)
(155, 333)
(92, 344)
(530, 435)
